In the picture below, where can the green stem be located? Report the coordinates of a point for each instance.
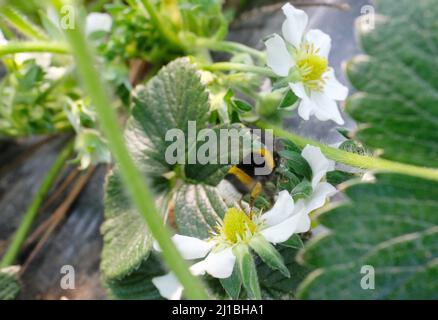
(32, 211)
(22, 23)
(229, 46)
(353, 159)
(168, 34)
(132, 177)
(33, 46)
(230, 66)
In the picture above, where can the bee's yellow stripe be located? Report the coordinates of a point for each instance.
(242, 176)
(269, 159)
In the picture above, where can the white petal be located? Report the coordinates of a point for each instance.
(278, 57)
(320, 40)
(318, 163)
(189, 247)
(319, 196)
(333, 88)
(305, 105)
(326, 108)
(218, 264)
(305, 109)
(282, 209)
(53, 73)
(304, 221)
(42, 59)
(97, 21)
(299, 90)
(293, 27)
(282, 231)
(168, 286)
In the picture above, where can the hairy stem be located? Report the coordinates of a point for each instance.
(229, 46)
(132, 177)
(230, 66)
(353, 159)
(33, 46)
(32, 211)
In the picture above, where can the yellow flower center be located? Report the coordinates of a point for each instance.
(237, 225)
(312, 67)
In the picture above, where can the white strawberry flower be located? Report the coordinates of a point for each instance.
(254, 230)
(97, 21)
(303, 60)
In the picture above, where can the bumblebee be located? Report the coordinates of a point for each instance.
(248, 177)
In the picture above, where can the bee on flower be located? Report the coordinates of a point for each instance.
(302, 59)
(239, 233)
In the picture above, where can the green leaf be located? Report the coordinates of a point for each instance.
(248, 271)
(127, 241)
(297, 163)
(397, 102)
(269, 255)
(390, 225)
(197, 210)
(336, 177)
(302, 190)
(138, 284)
(9, 285)
(170, 100)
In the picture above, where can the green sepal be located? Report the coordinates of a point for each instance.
(269, 254)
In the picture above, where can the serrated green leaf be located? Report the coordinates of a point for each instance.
(127, 241)
(390, 225)
(247, 271)
(269, 254)
(397, 106)
(9, 285)
(170, 100)
(197, 210)
(138, 284)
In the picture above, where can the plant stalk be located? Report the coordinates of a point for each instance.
(230, 66)
(352, 159)
(32, 211)
(229, 46)
(33, 46)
